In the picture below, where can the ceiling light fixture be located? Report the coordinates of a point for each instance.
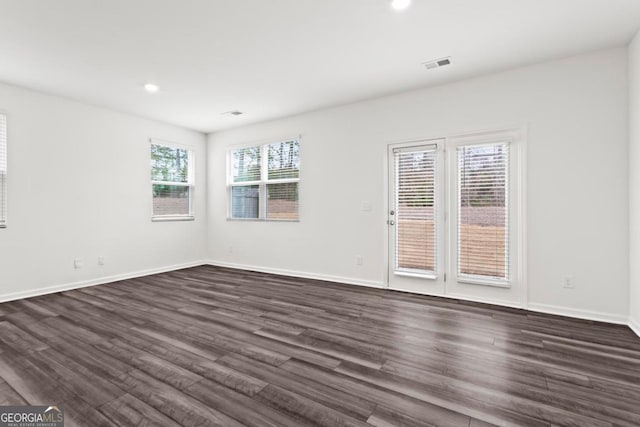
(400, 4)
(151, 88)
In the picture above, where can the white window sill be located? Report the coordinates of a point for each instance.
(173, 218)
(262, 220)
(416, 274)
(476, 280)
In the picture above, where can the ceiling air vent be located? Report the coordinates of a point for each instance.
(437, 63)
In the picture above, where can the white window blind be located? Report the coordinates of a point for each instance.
(3, 171)
(416, 209)
(171, 181)
(264, 181)
(483, 207)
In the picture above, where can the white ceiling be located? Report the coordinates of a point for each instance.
(273, 58)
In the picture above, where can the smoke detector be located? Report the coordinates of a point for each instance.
(232, 113)
(437, 63)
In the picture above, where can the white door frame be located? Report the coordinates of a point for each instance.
(432, 284)
(517, 136)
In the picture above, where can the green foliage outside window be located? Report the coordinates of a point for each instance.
(168, 164)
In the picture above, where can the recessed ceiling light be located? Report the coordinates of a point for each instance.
(400, 4)
(151, 88)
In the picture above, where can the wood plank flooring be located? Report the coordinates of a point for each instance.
(210, 346)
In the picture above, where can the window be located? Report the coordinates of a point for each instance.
(171, 182)
(483, 211)
(486, 204)
(3, 171)
(264, 181)
(415, 241)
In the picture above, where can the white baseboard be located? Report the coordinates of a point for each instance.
(93, 282)
(634, 325)
(305, 275)
(541, 308)
(578, 314)
(481, 300)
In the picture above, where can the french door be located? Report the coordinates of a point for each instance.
(454, 217)
(416, 236)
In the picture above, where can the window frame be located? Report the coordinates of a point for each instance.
(515, 196)
(262, 183)
(190, 182)
(435, 146)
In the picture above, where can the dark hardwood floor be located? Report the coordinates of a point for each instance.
(214, 346)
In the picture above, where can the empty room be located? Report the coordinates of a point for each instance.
(320, 213)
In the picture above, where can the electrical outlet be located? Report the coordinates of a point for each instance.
(78, 263)
(568, 283)
(101, 260)
(230, 249)
(359, 260)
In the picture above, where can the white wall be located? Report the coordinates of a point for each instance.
(634, 181)
(79, 188)
(576, 113)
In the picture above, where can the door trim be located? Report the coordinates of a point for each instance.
(433, 281)
(521, 130)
